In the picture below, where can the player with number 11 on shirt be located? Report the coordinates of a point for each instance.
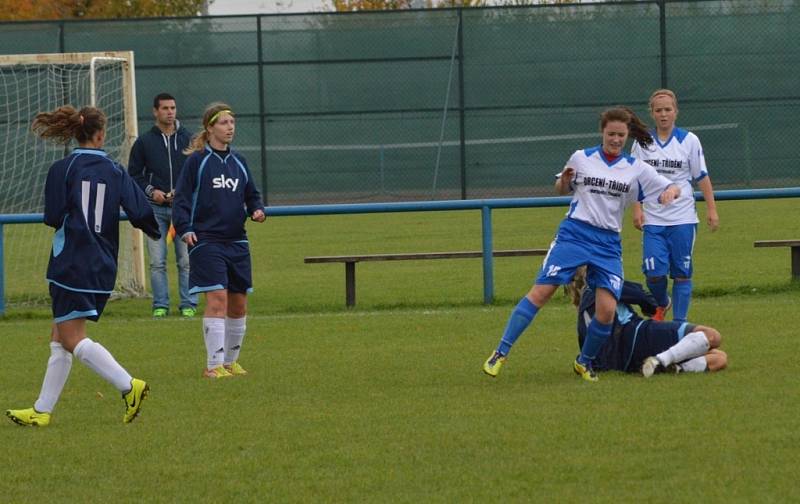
(668, 233)
(83, 194)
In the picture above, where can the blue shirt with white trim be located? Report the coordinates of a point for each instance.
(83, 195)
(214, 196)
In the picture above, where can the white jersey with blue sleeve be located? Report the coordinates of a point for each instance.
(680, 159)
(602, 189)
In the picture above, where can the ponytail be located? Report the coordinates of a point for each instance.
(198, 143)
(65, 123)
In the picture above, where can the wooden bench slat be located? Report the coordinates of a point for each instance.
(794, 244)
(424, 255)
(777, 243)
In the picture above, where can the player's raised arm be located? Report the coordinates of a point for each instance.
(669, 194)
(565, 181)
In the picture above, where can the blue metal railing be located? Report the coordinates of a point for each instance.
(484, 205)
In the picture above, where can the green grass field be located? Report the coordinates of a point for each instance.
(387, 402)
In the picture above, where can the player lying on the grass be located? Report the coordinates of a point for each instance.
(645, 345)
(83, 194)
(603, 181)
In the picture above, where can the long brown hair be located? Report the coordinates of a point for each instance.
(575, 288)
(65, 123)
(636, 127)
(210, 116)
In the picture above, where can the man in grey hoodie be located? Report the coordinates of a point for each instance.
(156, 160)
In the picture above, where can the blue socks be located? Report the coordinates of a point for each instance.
(596, 335)
(658, 287)
(681, 297)
(520, 319)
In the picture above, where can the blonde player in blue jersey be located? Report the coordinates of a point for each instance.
(83, 194)
(603, 181)
(214, 196)
(669, 232)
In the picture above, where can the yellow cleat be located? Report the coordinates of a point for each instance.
(493, 364)
(217, 372)
(585, 372)
(29, 417)
(235, 369)
(133, 399)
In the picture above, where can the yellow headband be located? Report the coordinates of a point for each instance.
(216, 116)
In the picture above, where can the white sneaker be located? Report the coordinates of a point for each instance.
(649, 366)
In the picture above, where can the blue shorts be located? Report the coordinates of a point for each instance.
(69, 304)
(650, 338)
(220, 265)
(577, 244)
(668, 248)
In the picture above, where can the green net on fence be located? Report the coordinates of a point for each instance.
(474, 103)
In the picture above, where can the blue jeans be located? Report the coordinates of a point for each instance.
(157, 249)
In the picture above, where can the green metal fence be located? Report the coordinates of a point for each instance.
(463, 103)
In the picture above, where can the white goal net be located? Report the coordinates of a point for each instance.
(30, 84)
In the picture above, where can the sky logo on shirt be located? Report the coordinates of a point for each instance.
(223, 182)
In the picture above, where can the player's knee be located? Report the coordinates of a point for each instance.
(681, 279)
(717, 360)
(237, 305)
(216, 304)
(653, 279)
(712, 335)
(539, 295)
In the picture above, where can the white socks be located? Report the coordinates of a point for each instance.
(214, 335)
(99, 360)
(694, 344)
(58, 367)
(696, 365)
(234, 335)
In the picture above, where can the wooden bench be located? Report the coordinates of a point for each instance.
(794, 244)
(350, 262)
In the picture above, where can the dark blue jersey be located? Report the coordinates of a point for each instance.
(215, 195)
(614, 352)
(83, 194)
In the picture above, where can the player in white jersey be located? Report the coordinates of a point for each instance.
(669, 232)
(603, 182)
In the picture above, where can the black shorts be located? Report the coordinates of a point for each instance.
(647, 337)
(214, 266)
(69, 304)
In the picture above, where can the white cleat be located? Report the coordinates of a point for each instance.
(649, 366)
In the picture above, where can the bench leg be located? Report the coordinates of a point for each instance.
(796, 263)
(350, 283)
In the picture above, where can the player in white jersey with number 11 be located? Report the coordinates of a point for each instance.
(669, 232)
(603, 182)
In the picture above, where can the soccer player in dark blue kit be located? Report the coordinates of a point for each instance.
(83, 194)
(214, 196)
(644, 345)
